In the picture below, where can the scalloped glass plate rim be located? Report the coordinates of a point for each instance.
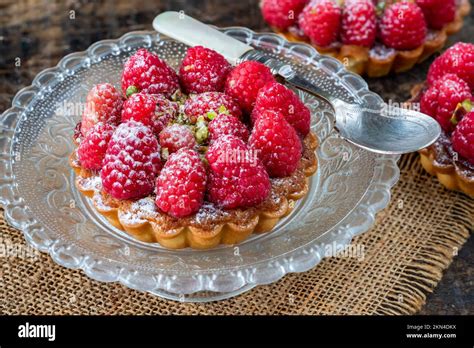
(299, 260)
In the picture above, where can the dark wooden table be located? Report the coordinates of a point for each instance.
(40, 32)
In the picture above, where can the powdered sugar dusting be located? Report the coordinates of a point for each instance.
(209, 212)
(139, 211)
(92, 183)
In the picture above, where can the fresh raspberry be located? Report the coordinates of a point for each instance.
(146, 72)
(131, 162)
(177, 136)
(91, 151)
(359, 23)
(275, 96)
(181, 185)
(403, 26)
(203, 70)
(459, 60)
(438, 13)
(282, 13)
(441, 99)
(276, 143)
(103, 104)
(224, 124)
(244, 82)
(237, 178)
(210, 102)
(463, 138)
(153, 110)
(320, 21)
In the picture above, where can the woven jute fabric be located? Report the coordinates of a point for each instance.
(399, 261)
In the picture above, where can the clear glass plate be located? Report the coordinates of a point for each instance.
(39, 196)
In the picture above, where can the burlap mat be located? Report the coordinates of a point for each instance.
(404, 256)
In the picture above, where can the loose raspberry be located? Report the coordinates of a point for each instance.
(275, 96)
(438, 13)
(359, 23)
(244, 82)
(177, 136)
(227, 125)
(237, 178)
(403, 26)
(153, 110)
(131, 162)
(203, 70)
(282, 13)
(91, 151)
(181, 185)
(103, 104)
(210, 103)
(441, 99)
(463, 138)
(459, 60)
(146, 72)
(320, 21)
(276, 143)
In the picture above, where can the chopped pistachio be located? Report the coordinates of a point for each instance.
(202, 134)
(223, 110)
(165, 153)
(211, 115)
(131, 90)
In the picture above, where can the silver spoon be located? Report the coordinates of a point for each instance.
(376, 128)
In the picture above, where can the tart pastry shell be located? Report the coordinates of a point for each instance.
(231, 232)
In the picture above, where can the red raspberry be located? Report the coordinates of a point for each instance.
(359, 23)
(237, 178)
(203, 70)
(91, 151)
(438, 13)
(103, 104)
(177, 136)
(276, 143)
(459, 60)
(146, 72)
(227, 125)
(320, 21)
(275, 96)
(213, 102)
(463, 138)
(131, 162)
(153, 110)
(181, 185)
(282, 13)
(441, 99)
(403, 26)
(244, 82)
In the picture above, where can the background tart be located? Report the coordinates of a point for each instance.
(442, 161)
(380, 60)
(211, 225)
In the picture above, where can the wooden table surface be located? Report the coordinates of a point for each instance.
(40, 32)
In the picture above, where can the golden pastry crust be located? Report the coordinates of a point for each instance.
(365, 61)
(439, 160)
(209, 227)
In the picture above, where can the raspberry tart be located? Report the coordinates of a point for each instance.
(372, 37)
(198, 158)
(447, 96)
